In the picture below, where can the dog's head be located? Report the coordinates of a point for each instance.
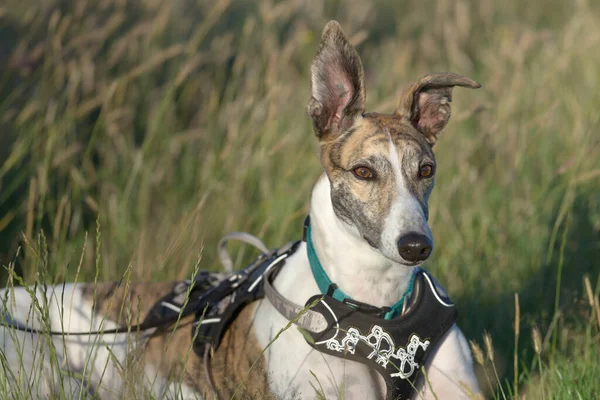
(381, 167)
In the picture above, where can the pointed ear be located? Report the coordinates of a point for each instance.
(337, 88)
(426, 103)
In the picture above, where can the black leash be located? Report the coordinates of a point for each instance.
(143, 326)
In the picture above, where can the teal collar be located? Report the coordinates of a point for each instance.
(326, 286)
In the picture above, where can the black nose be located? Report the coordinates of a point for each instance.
(414, 247)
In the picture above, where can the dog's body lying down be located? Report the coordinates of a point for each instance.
(369, 227)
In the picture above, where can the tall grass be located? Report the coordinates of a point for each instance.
(175, 122)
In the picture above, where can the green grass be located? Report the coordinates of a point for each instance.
(172, 123)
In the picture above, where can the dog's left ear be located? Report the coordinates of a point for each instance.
(337, 87)
(426, 103)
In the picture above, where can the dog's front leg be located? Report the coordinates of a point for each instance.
(328, 377)
(449, 370)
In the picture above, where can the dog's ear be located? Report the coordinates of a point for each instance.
(426, 103)
(337, 88)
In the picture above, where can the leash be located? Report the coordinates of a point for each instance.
(155, 319)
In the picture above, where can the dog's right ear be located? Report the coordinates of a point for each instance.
(337, 88)
(426, 103)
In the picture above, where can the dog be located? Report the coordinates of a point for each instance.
(368, 226)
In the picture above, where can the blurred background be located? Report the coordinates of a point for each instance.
(134, 133)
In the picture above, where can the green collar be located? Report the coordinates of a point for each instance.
(330, 288)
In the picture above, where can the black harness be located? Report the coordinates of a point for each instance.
(396, 348)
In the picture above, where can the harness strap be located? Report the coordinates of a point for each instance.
(212, 322)
(244, 237)
(310, 320)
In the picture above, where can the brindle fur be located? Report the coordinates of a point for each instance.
(349, 138)
(365, 204)
(168, 349)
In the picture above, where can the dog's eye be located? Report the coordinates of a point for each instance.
(426, 171)
(363, 173)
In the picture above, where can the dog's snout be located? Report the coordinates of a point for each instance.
(414, 247)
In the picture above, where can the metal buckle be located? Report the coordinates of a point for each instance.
(366, 308)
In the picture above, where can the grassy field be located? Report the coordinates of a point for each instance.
(170, 123)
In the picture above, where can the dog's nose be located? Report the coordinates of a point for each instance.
(414, 247)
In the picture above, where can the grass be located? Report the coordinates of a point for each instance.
(172, 123)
